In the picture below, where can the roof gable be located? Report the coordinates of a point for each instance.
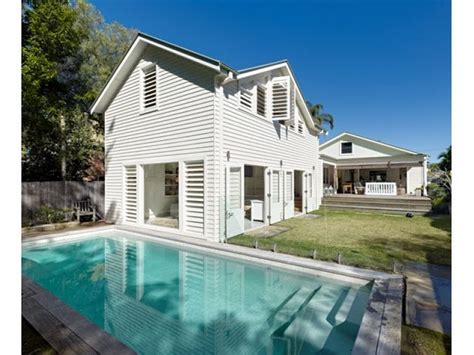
(362, 147)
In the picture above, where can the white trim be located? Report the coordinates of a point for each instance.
(171, 159)
(323, 145)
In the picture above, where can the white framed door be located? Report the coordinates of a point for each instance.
(289, 194)
(275, 184)
(234, 213)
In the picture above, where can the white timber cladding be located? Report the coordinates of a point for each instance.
(182, 126)
(130, 192)
(194, 196)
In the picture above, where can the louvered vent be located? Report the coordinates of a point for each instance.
(194, 196)
(130, 193)
(150, 87)
(261, 100)
(246, 98)
(300, 126)
(281, 99)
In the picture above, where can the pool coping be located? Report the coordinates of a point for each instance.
(380, 329)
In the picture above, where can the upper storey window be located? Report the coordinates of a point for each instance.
(346, 147)
(149, 88)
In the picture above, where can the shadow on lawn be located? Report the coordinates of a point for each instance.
(442, 222)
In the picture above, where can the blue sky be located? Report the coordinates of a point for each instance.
(381, 67)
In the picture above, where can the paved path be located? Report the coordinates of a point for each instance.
(428, 298)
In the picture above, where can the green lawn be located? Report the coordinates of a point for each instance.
(419, 341)
(370, 240)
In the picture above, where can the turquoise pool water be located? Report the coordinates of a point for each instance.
(160, 300)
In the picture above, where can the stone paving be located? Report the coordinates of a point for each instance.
(428, 296)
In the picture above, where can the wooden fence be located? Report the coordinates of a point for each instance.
(59, 194)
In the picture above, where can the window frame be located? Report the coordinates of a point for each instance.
(341, 150)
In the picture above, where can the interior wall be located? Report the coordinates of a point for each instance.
(156, 203)
(255, 184)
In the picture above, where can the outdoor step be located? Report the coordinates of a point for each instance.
(401, 204)
(378, 209)
(378, 199)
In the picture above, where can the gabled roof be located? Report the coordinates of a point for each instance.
(349, 134)
(142, 40)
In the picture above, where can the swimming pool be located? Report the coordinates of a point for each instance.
(159, 299)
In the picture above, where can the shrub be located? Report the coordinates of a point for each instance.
(47, 215)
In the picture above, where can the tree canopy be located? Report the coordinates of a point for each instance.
(319, 117)
(68, 52)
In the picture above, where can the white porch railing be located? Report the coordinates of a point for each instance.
(381, 188)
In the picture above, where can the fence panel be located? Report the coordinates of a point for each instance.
(59, 194)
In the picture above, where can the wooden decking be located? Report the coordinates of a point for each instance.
(393, 204)
(64, 329)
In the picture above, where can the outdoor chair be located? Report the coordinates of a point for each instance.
(359, 188)
(84, 208)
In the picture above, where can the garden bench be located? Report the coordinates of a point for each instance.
(84, 208)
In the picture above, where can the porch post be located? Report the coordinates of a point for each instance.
(336, 187)
(425, 175)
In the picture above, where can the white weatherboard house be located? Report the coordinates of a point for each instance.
(359, 165)
(196, 147)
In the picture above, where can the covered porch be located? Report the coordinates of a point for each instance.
(383, 179)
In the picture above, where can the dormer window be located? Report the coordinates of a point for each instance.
(346, 147)
(149, 88)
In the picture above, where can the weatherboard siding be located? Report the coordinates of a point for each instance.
(254, 140)
(182, 126)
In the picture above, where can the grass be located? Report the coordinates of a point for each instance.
(370, 240)
(419, 341)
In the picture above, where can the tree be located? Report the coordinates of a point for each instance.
(49, 83)
(318, 116)
(67, 54)
(445, 163)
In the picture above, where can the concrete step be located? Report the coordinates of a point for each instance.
(397, 210)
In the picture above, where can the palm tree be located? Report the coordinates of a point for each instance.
(319, 117)
(445, 163)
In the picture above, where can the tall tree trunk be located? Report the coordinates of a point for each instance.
(62, 124)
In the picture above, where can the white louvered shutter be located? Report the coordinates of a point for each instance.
(130, 193)
(194, 196)
(246, 98)
(275, 186)
(281, 98)
(150, 88)
(235, 187)
(261, 100)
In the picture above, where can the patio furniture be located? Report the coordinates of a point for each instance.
(256, 210)
(347, 188)
(359, 188)
(84, 208)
